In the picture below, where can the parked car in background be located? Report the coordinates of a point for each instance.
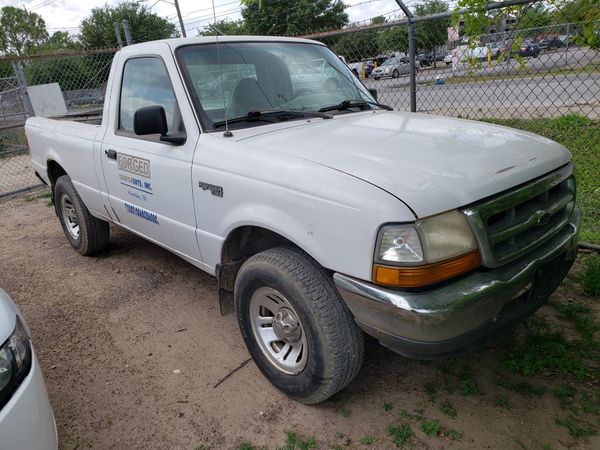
(529, 50)
(394, 67)
(551, 42)
(26, 419)
(448, 58)
(424, 59)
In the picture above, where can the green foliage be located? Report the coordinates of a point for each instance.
(20, 31)
(565, 394)
(394, 39)
(502, 401)
(357, 46)
(430, 427)
(432, 33)
(577, 427)
(400, 434)
(590, 278)
(224, 27)
(582, 316)
(366, 440)
(431, 391)
(292, 17)
(448, 409)
(298, 441)
(468, 386)
(523, 388)
(98, 31)
(388, 407)
(345, 413)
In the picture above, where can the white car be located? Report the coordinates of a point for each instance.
(322, 213)
(26, 419)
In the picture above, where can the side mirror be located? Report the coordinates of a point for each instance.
(153, 120)
(373, 93)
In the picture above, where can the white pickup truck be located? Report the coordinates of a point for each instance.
(322, 213)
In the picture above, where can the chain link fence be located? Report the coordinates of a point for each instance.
(535, 66)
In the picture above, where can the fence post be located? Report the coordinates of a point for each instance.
(22, 81)
(118, 33)
(411, 55)
(127, 31)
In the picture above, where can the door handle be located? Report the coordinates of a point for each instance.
(111, 154)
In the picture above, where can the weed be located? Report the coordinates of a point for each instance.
(502, 401)
(451, 434)
(448, 410)
(345, 413)
(577, 428)
(387, 407)
(468, 386)
(546, 350)
(431, 391)
(246, 446)
(430, 428)
(298, 441)
(366, 440)
(582, 317)
(400, 434)
(523, 388)
(590, 278)
(590, 403)
(565, 394)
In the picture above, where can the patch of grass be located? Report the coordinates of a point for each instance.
(387, 407)
(590, 402)
(468, 386)
(577, 427)
(523, 388)
(582, 317)
(546, 350)
(590, 278)
(246, 446)
(366, 440)
(298, 441)
(448, 409)
(430, 427)
(582, 137)
(400, 434)
(565, 393)
(345, 413)
(452, 434)
(502, 401)
(431, 391)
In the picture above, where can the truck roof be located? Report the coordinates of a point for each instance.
(179, 42)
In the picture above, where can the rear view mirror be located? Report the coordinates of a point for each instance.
(153, 120)
(150, 120)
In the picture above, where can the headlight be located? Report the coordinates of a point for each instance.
(426, 252)
(15, 362)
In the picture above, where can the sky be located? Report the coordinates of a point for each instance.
(65, 15)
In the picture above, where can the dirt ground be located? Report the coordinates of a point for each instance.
(131, 344)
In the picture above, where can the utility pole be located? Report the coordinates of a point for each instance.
(127, 32)
(180, 18)
(118, 33)
(411, 55)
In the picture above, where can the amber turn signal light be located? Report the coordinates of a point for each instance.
(418, 276)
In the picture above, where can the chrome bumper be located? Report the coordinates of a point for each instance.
(460, 314)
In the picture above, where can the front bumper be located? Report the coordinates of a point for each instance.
(26, 421)
(465, 312)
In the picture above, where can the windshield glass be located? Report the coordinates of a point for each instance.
(265, 76)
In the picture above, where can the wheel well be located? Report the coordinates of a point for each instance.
(241, 244)
(54, 171)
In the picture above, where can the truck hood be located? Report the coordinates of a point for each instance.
(431, 163)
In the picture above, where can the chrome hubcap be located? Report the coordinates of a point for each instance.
(69, 216)
(278, 330)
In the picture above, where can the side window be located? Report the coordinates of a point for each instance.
(146, 83)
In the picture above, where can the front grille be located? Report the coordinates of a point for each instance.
(510, 224)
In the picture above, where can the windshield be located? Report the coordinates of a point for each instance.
(266, 76)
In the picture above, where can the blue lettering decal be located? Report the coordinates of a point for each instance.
(146, 215)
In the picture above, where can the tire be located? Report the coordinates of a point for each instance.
(395, 73)
(85, 233)
(325, 346)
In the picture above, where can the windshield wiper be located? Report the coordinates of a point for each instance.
(271, 116)
(347, 104)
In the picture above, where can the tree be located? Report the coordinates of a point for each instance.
(98, 31)
(224, 27)
(360, 44)
(20, 30)
(394, 39)
(535, 16)
(292, 17)
(433, 33)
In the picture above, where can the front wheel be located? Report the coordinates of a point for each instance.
(85, 233)
(298, 330)
(395, 73)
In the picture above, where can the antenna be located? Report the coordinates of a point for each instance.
(227, 132)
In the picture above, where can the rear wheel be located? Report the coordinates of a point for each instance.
(395, 73)
(85, 233)
(296, 327)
